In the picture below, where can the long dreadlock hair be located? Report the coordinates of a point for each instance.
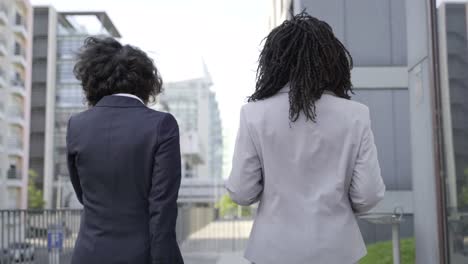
(304, 53)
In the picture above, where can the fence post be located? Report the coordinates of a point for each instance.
(396, 220)
(396, 242)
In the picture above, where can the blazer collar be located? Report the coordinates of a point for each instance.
(285, 89)
(119, 101)
(329, 92)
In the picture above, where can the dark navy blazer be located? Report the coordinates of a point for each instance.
(124, 163)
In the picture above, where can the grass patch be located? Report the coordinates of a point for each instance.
(381, 252)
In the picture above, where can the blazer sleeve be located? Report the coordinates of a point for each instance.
(245, 183)
(367, 188)
(71, 162)
(165, 184)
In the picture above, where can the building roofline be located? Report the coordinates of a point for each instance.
(101, 15)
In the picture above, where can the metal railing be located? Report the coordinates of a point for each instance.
(48, 236)
(14, 174)
(394, 219)
(18, 83)
(25, 235)
(15, 112)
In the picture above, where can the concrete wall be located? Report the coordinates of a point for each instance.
(374, 31)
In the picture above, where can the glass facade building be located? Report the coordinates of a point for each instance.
(59, 37)
(195, 107)
(453, 57)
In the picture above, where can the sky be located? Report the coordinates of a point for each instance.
(180, 34)
(438, 2)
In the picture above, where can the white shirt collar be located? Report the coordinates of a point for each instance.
(129, 95)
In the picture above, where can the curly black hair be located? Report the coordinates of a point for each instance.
(304, 53)
(106, 67)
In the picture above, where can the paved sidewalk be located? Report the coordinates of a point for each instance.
(220, 242)
(217, 258)
(200, 258)
(232, 258)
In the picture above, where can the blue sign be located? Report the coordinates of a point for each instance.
(55, 240)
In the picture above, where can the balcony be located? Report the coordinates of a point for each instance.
(2, 109)
(19, 59)
(3, 15)
(14, 146)
(14, 183)
(191, 148)
(18, 87)
(15, 116)
(3, 82)
(14, 174)
(3, 47)
(21, 31)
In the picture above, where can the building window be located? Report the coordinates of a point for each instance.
(17, 80)
(454, 63)
(15, 139)
(12, 172)
(18, 19)
(65, 73)
(69, 46)
(189, 171)
(18, 49)
(70, 96)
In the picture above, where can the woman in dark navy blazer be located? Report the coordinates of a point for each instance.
(124, 160)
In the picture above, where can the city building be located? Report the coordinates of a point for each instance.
(56, 94)
(380, 80)
(193, 155)
(15, 89)
(195, 107)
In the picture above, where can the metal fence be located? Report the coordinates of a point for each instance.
(48, 236)
(35, 236)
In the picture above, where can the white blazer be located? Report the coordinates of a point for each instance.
(310, 179)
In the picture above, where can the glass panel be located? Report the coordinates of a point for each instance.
(452, 18)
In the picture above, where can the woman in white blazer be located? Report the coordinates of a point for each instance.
(305, 151)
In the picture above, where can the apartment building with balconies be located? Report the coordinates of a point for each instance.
(15, 79)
